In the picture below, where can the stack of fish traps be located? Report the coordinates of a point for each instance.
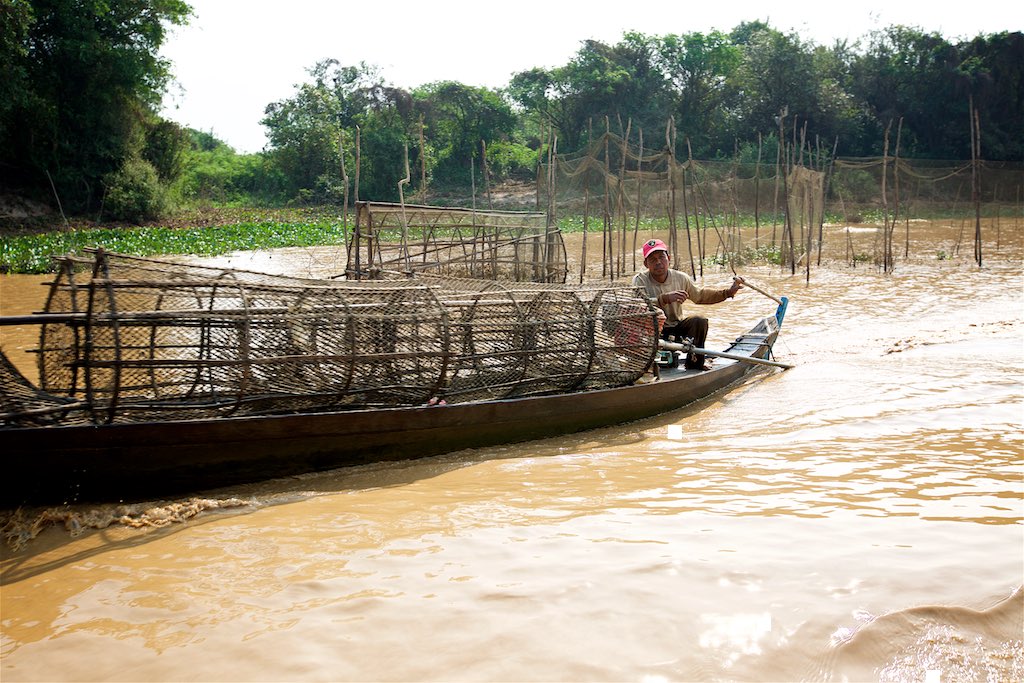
(137, 340)
(454, 241)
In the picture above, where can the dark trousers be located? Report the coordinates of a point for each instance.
(696, 328)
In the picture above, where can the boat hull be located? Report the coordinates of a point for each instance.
(122, 462)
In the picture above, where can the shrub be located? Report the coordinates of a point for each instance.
(511, 160)
(134, 192)
(855, 185)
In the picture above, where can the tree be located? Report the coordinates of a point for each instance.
(840, 115)
(536, 91)
(305, 132)
(991, 71)
(777, 73)
(908, 74)
(167, 143)
(698, 66)
(15, 88)
(86, 79)
(214, 172)
(621, 83)
(457, 118)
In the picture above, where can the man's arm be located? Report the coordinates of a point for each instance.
(714, 295)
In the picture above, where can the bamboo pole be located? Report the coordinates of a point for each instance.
(809, 203)
(540, 164)
(806, 241)
(606, 226)
(620, 261)
(639, 184)
(787, 228)
(757, 195)
(696, 218)
(553, 214)
(780, 119)
(586, 202)
(423, 164)
(405, 222)
(896, 186)
(358, 163)
(586, 223)
(976, 176)
(344, 193)
(357, 235)
(586, 210)
(886, 250)
(686, 211)
(824, 197)
(735, 238)
(487, 173)
(671, 209)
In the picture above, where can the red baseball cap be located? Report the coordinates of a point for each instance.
(651, 246)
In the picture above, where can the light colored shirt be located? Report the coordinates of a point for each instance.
(677, 280)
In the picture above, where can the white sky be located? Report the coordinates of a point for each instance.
(237, 56)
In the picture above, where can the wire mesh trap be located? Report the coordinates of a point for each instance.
(129, 339)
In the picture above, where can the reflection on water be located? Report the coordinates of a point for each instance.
(858, 517)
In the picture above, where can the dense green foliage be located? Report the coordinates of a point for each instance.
(80, 81)
(725, 90)
(311, 132)
(212, 173)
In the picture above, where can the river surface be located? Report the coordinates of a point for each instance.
(859, 517)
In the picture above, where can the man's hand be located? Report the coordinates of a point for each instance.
(737, 284)
(668, 297)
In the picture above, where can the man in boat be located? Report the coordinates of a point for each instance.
(668, 289)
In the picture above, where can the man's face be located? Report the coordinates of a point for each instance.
(657, 265)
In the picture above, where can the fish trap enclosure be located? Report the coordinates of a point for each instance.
(128, 339)
(492, 245)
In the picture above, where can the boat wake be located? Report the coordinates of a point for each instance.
(933, 643)
(19, 527)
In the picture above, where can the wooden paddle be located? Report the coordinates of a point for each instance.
(688, 348)
(745, 283)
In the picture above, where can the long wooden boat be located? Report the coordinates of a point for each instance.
(142, 460)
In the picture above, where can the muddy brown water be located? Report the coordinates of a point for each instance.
(859, 517)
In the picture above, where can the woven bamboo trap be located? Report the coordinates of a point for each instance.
(132, 340)
(492, 245)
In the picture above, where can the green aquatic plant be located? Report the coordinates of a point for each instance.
(36, 253)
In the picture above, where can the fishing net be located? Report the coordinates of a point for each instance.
(616, 180)
(620, 178)
(133, 339)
